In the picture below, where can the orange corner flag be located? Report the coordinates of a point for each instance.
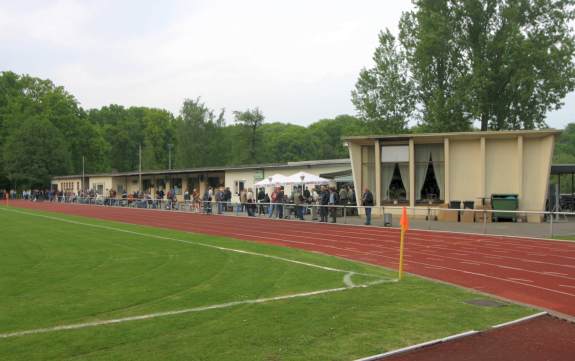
(404, 221)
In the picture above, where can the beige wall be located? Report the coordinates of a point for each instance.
(537, 154)
(501, 164)
(75, 182)
(106, 183)
(464, 170)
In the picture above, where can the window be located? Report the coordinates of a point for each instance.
(429, 172)
(177, 185)
(395, 173)
(239, 186)
(193, 183)
(368, 167)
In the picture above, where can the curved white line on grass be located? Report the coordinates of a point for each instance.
(186, 310)
(201, 244)
(347, 280)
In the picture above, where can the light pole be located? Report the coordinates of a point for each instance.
(140, 171)
(170, 145)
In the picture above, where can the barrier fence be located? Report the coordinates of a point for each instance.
(479, 221)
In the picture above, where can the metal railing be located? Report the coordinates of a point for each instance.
(480, 221)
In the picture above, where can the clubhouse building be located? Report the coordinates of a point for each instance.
(409, 170)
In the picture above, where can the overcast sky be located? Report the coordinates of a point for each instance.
(296, 60)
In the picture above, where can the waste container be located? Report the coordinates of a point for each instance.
(387, 220)
(504, 202)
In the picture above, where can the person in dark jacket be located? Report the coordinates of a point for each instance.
(333, 202)
(323, 201)
(367, 202)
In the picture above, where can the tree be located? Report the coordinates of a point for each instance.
(34, 152)
(502, 64)
(252, 120)
(198, 135)
(384, 94)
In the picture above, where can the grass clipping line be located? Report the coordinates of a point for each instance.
(347, 280)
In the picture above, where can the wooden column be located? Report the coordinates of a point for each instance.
(446, 172)
(520, 166)
(482, 175)
(377, 167)
(411, 173)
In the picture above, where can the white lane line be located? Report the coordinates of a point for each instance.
(556, 273)
(520, 279)
(471, 263)
(179, 312)
(568, 286)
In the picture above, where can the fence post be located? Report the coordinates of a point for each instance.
(484, 221)
(429, 218)
(551, 224)
(344, 215)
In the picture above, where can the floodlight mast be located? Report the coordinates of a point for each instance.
(140, 171)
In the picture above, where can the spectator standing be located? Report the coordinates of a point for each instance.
(367, 202)
(323, 201)
(333, 201)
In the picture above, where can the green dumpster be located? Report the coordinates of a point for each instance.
(504, 202)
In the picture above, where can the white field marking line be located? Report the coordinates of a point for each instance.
(514, 240)
(567, 286)
(382, 245)
(386, 235)
(416, 346)
(445, 339)
(520, 320)
(201, 244)
(453, 269)
(183, 311)
(308, 243)
(347, 279)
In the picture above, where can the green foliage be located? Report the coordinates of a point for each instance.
(34, 151)
(501, 63)
(252, 120)
(565, 147)
(384, 95)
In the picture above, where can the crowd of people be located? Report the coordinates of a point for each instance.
(321, 203)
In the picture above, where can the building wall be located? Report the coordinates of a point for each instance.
(501, 166)
(537, 155)
(105, 182)
(464, 169)
(479, 165)
(62, 184)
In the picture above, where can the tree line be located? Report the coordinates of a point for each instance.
(45, 132)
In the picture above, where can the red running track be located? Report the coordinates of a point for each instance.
(531, 271)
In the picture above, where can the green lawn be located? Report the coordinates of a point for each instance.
(61, 273)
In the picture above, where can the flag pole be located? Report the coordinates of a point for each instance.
(404, 223)
(401, 244)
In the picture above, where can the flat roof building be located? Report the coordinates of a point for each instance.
(234, 177)
(423, 169)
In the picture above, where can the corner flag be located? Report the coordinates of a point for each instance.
(404, 223)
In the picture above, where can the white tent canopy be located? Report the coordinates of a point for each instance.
(274, 180)
(306, 178)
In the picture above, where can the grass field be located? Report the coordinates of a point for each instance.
(61, 270)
